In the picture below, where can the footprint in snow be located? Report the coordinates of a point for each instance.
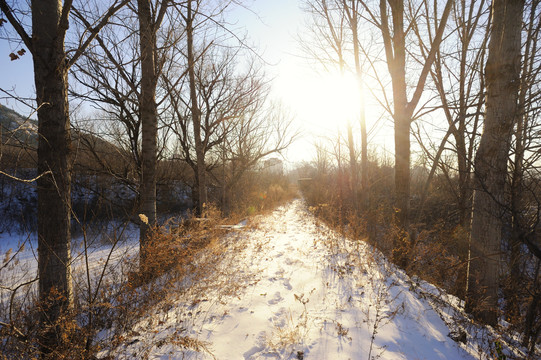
(287, 284)
(254, 350)
(275, 299)
(279, 319)
(291, 261)
(278, 274)
(258, 348)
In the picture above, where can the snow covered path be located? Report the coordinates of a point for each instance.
(301, 292)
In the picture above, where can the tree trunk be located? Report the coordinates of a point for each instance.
(513, 288)
(149, 123)
(530, 331)
(513, 285)
(402, 123)
(54, 257)
(464, 190)
(354, 24)
(201, 182)
(395, 51)
(352, 167)
(502, 79)
(365, 196)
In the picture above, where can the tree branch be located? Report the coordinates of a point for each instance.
(17, 25)
(430, 59)
(95, 30)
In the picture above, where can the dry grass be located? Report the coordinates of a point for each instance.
(288, 335)
(180, 255)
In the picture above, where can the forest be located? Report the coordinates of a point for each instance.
(156, 172)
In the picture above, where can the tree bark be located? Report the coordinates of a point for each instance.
(395, 52)
(352, 167)
(396, 62)
(352, 12)
(149, 123)
(513, 287)
(502, 79)
(201, 182)
(530, 331)
(54, 189)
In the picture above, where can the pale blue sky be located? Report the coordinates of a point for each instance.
(270, 25)
(16, 75)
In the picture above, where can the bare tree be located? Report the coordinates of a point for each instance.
(149, 24)
(524, 183)
(201, 177)
(50, 22)
(352, 11)
(109, 75)
(123, 82)
(236, 131)
(502, 80)
(110, 82)
(211, 87)
(394, 34)
(461, 93)
(258, 132)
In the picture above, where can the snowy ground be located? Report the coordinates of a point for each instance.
(289, 288)
(109, 244)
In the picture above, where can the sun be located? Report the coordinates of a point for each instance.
(324, 101)
(342, 94)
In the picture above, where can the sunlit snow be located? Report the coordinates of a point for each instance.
(302, 292)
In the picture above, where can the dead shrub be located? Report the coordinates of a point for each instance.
(103, 317)
(173, 246)
(432, 262)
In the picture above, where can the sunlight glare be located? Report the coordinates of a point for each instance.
(343, 96)
(333, 98)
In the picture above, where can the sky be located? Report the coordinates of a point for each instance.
(322, 102)
(312, 97)
(17, 76)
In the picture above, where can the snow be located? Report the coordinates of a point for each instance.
(290, 288)
(112, 243)
(278, 286)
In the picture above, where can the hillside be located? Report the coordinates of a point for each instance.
(17, 128)
(19, 143)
